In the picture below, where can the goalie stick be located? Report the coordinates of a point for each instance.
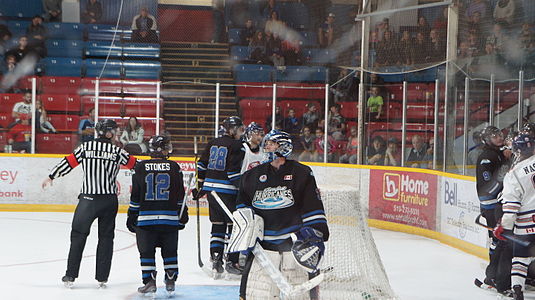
(199, 259)
(508, 235)
(284, 286)
(482, 285)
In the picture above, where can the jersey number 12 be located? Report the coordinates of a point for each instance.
(157, 187)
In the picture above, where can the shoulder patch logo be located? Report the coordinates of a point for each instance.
(485, 161)
(288, 177)
(262, 178)
(486, 175)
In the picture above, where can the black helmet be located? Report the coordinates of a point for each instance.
(524, 144)
(105, 126)
(529, 128)
(489, 132)
(231, 124)
(158, 144)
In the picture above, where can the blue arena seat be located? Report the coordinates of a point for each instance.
(239, 53)
(18, 27)
(234, 36)
(427, 75)
(253, 73)
(295, 14)
(302, 73)
(21, 9)
(323, 56)
(101, 49)
(309, 39)
(103, 32)
(142, 69)
(113, 68)
(141, 50)
(65, 31)
(65, 48)
(62, 66)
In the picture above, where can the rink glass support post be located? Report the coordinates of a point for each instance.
(34, 100)
(216, 122)
(273, 105)
(491, 99)
(97, 87)
(404, 124)
(435, 125)
(520, 99)
(465, 123)
(158, 101)
(360, 124)
(326, 129)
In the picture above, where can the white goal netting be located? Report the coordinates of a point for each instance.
(353, 268)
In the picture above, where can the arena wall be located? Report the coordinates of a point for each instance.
(429, 203)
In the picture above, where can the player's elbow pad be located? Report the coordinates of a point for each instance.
(508, 221)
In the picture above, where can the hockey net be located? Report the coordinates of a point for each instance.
(352, 265)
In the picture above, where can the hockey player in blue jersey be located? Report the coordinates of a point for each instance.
(157, 212)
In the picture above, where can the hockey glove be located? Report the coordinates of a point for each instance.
(308, 248)
(183, 219)
(198, 193)
(498, 231)
(131, 222)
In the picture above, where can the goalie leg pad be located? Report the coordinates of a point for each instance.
(247, 229)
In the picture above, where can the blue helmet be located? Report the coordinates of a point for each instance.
(524, 144)
(284, 141)
(252, 129)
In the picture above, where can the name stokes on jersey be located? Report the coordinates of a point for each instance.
(157, 167)
(273, 198)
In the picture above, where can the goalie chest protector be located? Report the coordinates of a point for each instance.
(287, 199)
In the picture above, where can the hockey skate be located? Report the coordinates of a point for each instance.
(234, 271)
(102, 284)
(68, 281)
(517, 293)
(170, 278)
(149, 289)
(217, 265)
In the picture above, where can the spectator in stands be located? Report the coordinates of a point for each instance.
(132, 137)
(477, 6)
(92, 12)
(487, 64)
(375, 80)
(311, 116)
(317, 11)
(277, 59)
(9, 64)
(428, 158)
(498, 38)
(475, 43)
(291, 124)
(376, 151)
(278, 119)
(327, 32)
(307, 140)
(504, 12)
(381, 28)
(19, 135)
(423, 26)
(374, 40)
(52, 10)
(271, 6)
(441, 23)
(239, 12)
(42, 124)
(273, 44)
(350, 152)
(257, 48)
(144, 27)
(526, 34)
(374, 104)
(21, 50)
(291, 51)
(86, 128)
(319, 149)
(5, 36)
(422, 46)
(22, 110)
(392, 153)
(464, 57)
(36, 34)
(406, 49)
(437, 47)
(342, 89)
(248, 33)
(387, 51)
(335, 120)
(417, 154)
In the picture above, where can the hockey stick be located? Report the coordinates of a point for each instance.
(284, 286)
(188, 190)
(199, 259)
(508, 235)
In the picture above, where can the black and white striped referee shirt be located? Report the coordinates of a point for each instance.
(101, 161)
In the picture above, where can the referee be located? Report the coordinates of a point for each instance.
(101, 161)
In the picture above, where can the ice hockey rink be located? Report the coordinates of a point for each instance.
(34, 248)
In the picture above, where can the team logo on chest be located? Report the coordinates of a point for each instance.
(273, 198)
(262, 178)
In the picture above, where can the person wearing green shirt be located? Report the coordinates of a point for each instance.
(375, 103)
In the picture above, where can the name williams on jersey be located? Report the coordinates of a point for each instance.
(273, 198)
(100, 155)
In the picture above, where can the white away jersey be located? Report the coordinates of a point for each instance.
(519, 196)
(251, 158)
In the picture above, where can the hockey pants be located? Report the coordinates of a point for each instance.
(147, 241)
(500, 253)
(257, 285)
(103, 208)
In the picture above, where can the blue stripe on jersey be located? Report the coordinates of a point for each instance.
(222, 235)
(219, 190)
(282, 231)
(170, 259)
(526, 212)
(158, 212)
(133, 208)
(216, 245)
(488, 206)
(276, 242)
(145, 275)
(157, 222)
(315, 212)
(241, 206)
(217, 181)
(148, 260)
(314, 222)
(525, 227)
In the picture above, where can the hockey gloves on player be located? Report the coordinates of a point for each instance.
(131, 222)
(308, 248)
(183, 219)
(247, 229)
(498, 231)
(505, 225)
(198, 193)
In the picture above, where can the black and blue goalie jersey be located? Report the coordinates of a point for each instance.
(219, 167)
(157, 194)
(287, 199)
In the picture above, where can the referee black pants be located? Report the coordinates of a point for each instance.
(89, 208)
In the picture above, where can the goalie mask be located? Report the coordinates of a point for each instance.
(308, 248)
(105, 126)
(284, 141)
(524, 144)
(158, 144)
(253, 128)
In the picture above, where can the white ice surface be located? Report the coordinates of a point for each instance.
(34, 247)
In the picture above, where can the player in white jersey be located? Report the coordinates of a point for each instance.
(518, 197)
(254, 133)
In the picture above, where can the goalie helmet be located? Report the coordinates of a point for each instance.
(524, 144)
(529, 128)
(158, 144)
(105, 126)
(284, 141)
(308, 248)
(252, 129)
(232, 125)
